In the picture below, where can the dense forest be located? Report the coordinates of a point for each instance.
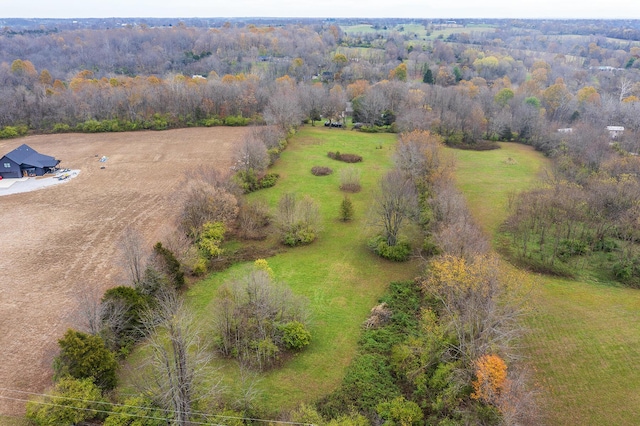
(435, 349)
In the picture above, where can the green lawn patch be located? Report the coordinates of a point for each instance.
(488, 177)
(584, 339)
(341, 278)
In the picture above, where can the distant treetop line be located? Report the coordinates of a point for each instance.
(549, 26)
(467, 80)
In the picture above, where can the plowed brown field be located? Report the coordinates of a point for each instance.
(59, 242)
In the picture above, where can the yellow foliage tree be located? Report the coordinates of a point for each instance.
(588, 94)
(285, 81)
(45, 78)
(399, 73)
(263, 265)
(556, 96)
(23, 68)
(340, 59)
(482, 301)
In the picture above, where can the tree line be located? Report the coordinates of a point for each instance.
(508, 84)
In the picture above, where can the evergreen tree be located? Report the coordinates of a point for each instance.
(346, 209)
(428, 77)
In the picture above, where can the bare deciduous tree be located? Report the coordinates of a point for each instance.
(283, 109)
(206, 203)
(251, 156)
(133, 254)
(455, 232)
(178, 358)
(271, 136)
(395, 203)
(419, 155)
(89, 310)
(252, 218)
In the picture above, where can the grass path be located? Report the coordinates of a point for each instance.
(337, 273)
(584, 339)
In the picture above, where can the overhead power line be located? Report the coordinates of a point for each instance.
(95, 410)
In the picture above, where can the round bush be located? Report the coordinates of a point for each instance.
(398, 253)
(294, 335)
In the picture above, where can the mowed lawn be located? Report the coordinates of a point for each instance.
(584, 337)
(337, 274)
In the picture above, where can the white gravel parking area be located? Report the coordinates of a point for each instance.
(16, 186)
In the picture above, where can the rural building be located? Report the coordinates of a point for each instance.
(25, 161)
(615, 131)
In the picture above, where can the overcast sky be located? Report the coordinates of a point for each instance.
(627, 9)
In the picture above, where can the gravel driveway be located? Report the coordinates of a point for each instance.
(15, 186)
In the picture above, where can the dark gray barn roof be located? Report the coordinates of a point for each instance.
(27, 156)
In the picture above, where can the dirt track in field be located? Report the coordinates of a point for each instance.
(61, 241)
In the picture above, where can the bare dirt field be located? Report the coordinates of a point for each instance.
(60, 242)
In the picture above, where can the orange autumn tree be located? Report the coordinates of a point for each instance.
(491, 379)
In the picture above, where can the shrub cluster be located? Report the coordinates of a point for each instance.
(252, 220)
(378, 129)
(299, 234)
(257, 320)
(13, 131)
(628, 271)
(398, 253)
(298, 220)
(236, 120)
(481, 145)
(249, 181)
(156, 122)
(321, 171)
(347, 158)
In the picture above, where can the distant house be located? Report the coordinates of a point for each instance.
(348, 110)
(566, 130)
(615, 131)
(25, 161)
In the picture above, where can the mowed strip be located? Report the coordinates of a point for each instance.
(584, 337)
(61, 242)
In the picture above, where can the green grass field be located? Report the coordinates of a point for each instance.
(487, 178)
(584, 339)
(337, 273)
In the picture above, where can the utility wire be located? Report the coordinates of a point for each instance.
(95, 410)
(166, 411)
